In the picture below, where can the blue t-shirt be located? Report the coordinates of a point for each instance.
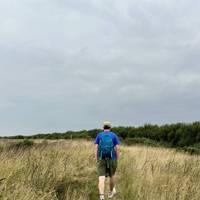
(114, 139)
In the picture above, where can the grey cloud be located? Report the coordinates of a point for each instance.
(72, 64)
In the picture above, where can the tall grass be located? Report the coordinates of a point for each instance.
(59, 170)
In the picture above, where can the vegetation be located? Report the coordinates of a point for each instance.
(185, 136)
(20, 145)
(66, 170)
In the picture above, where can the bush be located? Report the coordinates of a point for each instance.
(21, 145)
(191, 150)
(145, 141)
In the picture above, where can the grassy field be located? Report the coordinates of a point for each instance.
(58, 170)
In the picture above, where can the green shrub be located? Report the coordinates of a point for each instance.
(21, 145)
(191, 150)
(145, 141)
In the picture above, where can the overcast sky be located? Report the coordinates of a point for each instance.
(71, 64)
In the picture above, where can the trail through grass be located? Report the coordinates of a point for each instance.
(66, 170)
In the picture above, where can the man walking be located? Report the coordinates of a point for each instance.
(106, 154)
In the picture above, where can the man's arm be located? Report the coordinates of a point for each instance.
(116, 143)
(96, 147)
(117, 150)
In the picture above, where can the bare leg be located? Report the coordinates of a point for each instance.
(112, 183)
(101, 184)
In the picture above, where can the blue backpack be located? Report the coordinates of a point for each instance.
(105, 147)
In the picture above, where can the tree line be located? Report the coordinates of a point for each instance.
(174, 135)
